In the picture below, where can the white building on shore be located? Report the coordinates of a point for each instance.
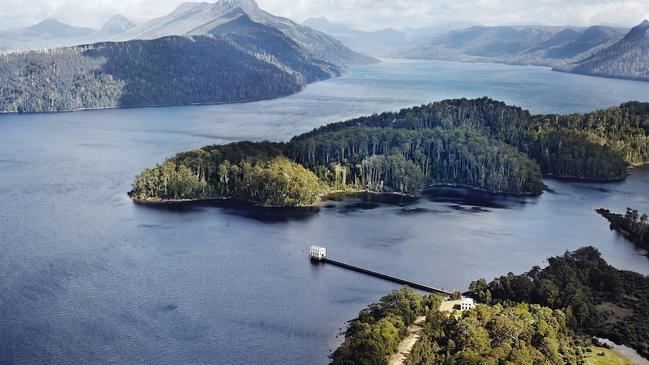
(466, 304)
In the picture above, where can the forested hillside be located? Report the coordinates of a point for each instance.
(407, 160)
(481, 143)
(165, 71)
(546, 316)
(378, 330)
(516, 334)
(598, 299)
(230, 51)
(597, 145)
(627, 59)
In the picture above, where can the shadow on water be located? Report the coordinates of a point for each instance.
(470, 200)
(419, 210)
(238, 208)
(459, 199)
(347, 203)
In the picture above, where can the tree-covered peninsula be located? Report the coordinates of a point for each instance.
(546, 316)
(632, 225)
(598, 299)
(481, 143)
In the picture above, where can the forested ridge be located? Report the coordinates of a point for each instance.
(480, 143)
(174, 70)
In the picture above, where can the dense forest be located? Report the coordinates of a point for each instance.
(166, 71)
(256, 172)
(407, 160)
(518, 334)
(546, 316)
(378, 330)
(631, 225)
(481, 143)
(597, 299)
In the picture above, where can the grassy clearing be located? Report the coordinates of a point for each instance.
(610, 357)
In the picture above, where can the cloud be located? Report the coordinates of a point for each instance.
(365, 14)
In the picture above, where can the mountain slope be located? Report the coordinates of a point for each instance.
(535, 45)
(628, 58)
(164, 71)
(230, 58)
(116, 25)
(203, 18)
(377, 43)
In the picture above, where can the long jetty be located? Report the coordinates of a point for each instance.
(383, 276)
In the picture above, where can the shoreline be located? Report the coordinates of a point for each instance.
(585, 180)
(552, 68)
(4, 112)
(342, 72)
(630, 170)
(325, 197)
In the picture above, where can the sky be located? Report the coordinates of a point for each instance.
(362, 14)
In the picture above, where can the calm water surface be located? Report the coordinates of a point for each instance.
(87, 277)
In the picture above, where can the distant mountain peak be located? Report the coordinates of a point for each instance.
(640, 31)
(239, 4)
(54, 28)
(117, 24)
(46, 23)
(118, 19)
(245, 5)
(244, 17)
(317, 19)
(643, 25)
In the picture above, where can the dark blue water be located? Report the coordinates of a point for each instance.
(87, 277)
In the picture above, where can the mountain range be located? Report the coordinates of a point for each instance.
(244, 18)
(528, 45)
(229, 51)
(51, 33)
(628, 58)
(597, 50)
(380, 43)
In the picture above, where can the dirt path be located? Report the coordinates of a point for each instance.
(414, 333)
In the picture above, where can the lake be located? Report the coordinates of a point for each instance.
(88, 277)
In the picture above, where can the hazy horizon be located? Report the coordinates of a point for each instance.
(377, 14)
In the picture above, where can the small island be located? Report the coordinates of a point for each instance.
(482, 144)
(554, 315)
(633, 226)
